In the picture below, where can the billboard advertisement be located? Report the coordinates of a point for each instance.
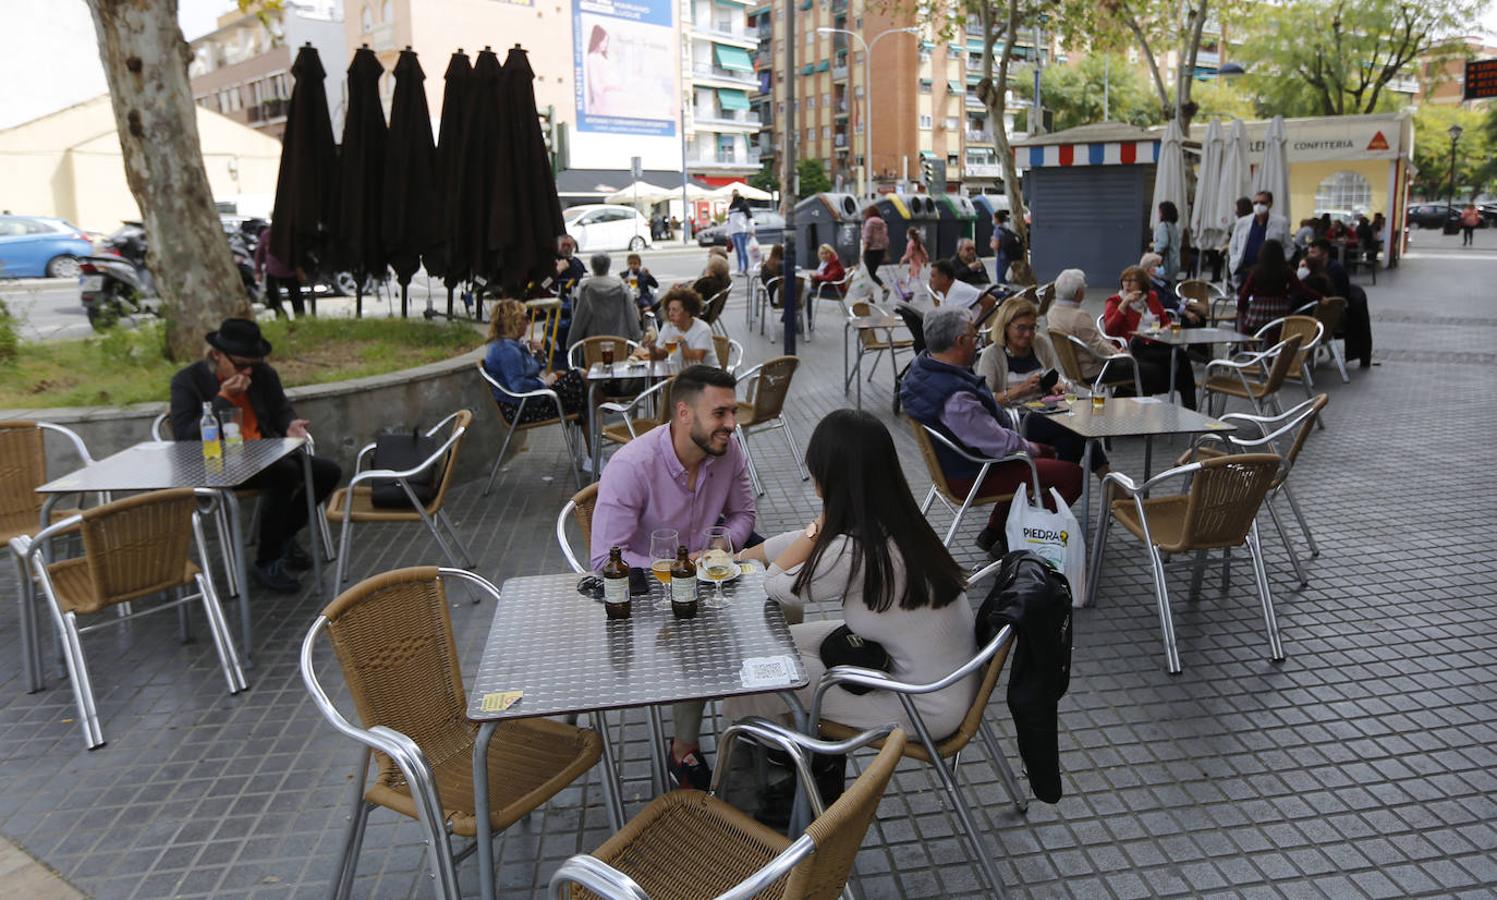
(627, 71)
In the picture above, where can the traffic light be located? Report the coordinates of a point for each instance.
(933, 173)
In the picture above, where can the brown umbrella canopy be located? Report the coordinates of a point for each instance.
(356, 229)
(473, 248)
(441, 260)
(528, 219)
(306, 188)
(409, 201)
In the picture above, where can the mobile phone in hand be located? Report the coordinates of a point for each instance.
(1048, 380)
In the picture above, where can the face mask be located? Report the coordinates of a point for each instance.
(1303, 272)
(1260, 209)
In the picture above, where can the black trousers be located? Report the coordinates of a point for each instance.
(283, 503)
(273, 287)
(872, 259)
(1154, 370)
(1069, 446)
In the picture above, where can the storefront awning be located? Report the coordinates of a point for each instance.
(735, 59)
(731, 100)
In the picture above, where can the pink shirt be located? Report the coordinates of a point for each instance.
(644, 488)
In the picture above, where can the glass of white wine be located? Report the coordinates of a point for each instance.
(663, 542)
(715, 564)
(1070, 398)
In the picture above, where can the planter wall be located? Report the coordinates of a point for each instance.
(345, 416)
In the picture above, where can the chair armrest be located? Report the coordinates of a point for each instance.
(427, 463)
(1136, 490)
(771, 734)
(591, 873)
(985, 462)
(881, 681)
(615, 407)
(72, 437)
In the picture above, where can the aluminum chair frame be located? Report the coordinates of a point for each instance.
(625, 410)
(713, 309)
(817, 291)
(776, 422)
(986, 463)
(1097, 384)
(1138, 492)
(882, 681)
(31, 552)
(572, 362)
(765, 292)
(1265, 362)
(1328, 343)
(413, 764)
(877, 346)
(345, 537)
(539, 394)
(1215, 298)
(1121, 342)
(735, 353)
(588, 872)
(1306, 353)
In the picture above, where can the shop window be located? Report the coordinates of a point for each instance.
(1343, 194)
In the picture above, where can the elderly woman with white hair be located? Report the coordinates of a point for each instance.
(1067, 317)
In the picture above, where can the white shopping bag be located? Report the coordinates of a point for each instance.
(755, 254)
(1055, 537)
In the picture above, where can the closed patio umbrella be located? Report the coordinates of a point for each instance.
(307, 184)
(408, 211)
(1273, 172)
(476, 172)
(1169, 174)
(525, 219)
(1232, 181)
(442, 260)
(357, 233)
(1203, 225)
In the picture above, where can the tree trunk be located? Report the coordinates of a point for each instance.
(992, 97)
(145, 61)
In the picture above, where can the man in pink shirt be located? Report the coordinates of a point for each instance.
(688, 475)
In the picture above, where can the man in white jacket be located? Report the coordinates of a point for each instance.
(1250, 232)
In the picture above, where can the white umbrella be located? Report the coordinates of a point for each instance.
(1169, 174)
(1273, 172)
(745, 190)
(1232, 180)
(1203, 225)
(642, 192)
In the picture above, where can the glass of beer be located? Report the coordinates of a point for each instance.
(608, 354)
(1099, 399)
(663, 543)
(716, 564)
(1175, 327)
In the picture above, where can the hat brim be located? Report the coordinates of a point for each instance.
(261, 350)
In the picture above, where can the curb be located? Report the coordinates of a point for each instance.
(25, 283)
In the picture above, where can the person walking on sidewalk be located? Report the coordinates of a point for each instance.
(1470, 221)
(875, 244)
(740, 222)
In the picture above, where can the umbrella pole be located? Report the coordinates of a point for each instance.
(358, 300)
(449, 302)
(404, 298)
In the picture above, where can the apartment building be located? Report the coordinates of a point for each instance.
(720, 122)
(242, 69)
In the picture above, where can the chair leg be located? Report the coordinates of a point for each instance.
(78, 678)
(254, 526)
(184, 628)
(345, 541)
(325, 532)
(1273, 515)
(353, 836)
(571, 454)
(1339, 354)
(1270, 621)
(748, 459)
(1198, 572)
(499, 460)
(31, 653)
(457, 539)
(223, 641)
(226, 546)
(1166, 622)
(1299, 516)
(1099, 549)
(929, 496)
(1002, 768)
(446, 548)
(794, 451)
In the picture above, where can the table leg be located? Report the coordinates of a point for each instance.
(1174, 349)
(30, 652)
(236, 534)
(313, 534)
(613, 790)
(658, 751)
(1086, 489)
(596, 442)
(485, 836)
(844, 359)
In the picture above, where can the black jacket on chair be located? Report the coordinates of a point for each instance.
(1036, 600)
(198, 384)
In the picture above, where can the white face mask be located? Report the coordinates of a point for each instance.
(1260, 209)
(1303, 272)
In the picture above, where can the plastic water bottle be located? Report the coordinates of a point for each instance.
(212, 448)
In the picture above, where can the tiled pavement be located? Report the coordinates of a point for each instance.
(1362, 766)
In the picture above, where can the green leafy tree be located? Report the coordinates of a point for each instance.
(1218, 98)
(1076, 92)
(1473, 160)
(813, 178)
(765, 179)
(1344, 53)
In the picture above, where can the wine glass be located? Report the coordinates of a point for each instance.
(714, 570)
(663, 543)
(1070, 398)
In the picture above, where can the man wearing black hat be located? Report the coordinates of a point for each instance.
(233, 375)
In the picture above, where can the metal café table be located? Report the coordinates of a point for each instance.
(863, 325)
(159, 465)
(1188, 336)
(558, 647)
(599, 374)
(1145, 417)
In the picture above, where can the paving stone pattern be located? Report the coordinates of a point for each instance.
(1362, 766)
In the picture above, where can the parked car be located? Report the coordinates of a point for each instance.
(599, 226)
(1432, 215)
(37, 246)
(769, 228)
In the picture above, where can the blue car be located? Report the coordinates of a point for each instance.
(38, 246)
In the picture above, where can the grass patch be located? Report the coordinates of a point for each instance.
(129, 366)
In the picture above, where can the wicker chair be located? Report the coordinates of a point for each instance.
(729, 353)
(825, 290)
(1217, 304)
(633, 420)
(544, 396)
(1270, 430)
(394, 643)
(689, 844)
(1311, 333)
(579, 508)
(354, 504)
(712, 311)
(941, 488)
(1217, 512)
(768, 386)
(23, 469)
(588, 352)
(1069, 351)
(1255, 377)
(1042, 297)
(132, 549)
(768, 298)
(870, 341)
(1330, 312)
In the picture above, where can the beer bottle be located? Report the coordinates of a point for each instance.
(616, 585)
(683, 585)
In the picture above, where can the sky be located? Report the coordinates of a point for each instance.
(49, 54)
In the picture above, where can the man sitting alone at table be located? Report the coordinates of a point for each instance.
(941, 392)
(959, 294)
(233, 375)
(969, 269)
(602, 306)
(688, 475)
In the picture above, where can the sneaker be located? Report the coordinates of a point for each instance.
(274, 577)
(294, 558)
(690, 771)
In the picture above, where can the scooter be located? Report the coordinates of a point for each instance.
(115, 282)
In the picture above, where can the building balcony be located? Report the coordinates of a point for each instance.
(979, 137)
(738, 37)
(719, 120)
(723, 161)
(707, 73)
(840, 110)
(839, 73)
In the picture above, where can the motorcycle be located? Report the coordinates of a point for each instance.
(115, 281)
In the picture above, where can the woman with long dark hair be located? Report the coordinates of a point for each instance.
(872, 553)
(1167, 242)
(1272, 290)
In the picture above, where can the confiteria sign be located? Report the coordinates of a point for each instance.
(1342, 138)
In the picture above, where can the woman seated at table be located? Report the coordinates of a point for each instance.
(873, 553)
(1189, 313)
(774, 267)
(715, 279)
(682, 327)
(824, 281)
(1013, 364)
(512, 363)
(1123, 315)
(1272, 290)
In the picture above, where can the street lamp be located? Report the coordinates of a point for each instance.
(1455, 133)
(867, 88)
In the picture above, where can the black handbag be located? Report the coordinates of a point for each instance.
(401, 451)
(843, 648)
